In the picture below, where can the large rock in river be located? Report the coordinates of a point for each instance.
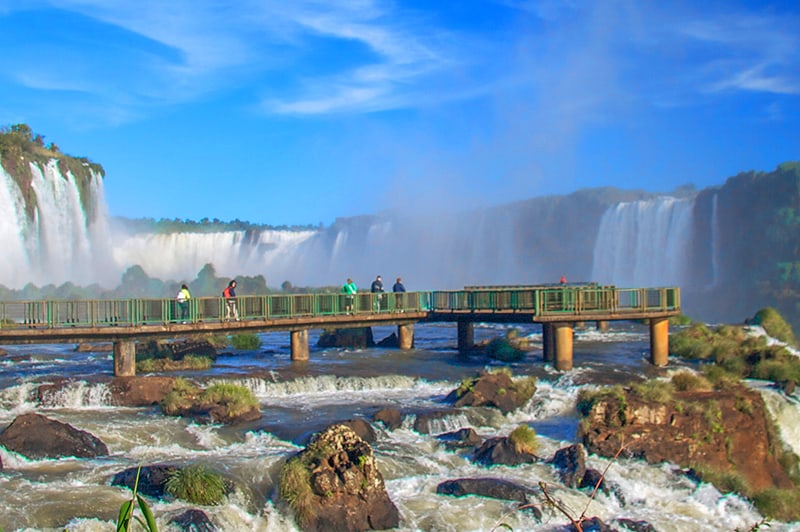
(334, 484)
(495, 389)
(726, 430)
(37, 437)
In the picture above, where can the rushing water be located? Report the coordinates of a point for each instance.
(337, 384)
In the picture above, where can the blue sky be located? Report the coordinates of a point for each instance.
(298, 112)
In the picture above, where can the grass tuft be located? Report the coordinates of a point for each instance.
(524, 439)
(197, 484)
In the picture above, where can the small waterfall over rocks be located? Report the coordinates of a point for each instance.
(644, 243)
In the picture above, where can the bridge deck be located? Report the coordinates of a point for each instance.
(27, 322)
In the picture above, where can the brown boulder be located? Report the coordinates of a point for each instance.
(390, 417)
(103, 347)
(726, 430)
(496, 451)
(494, 389)
(140, 391)
(460, 439)
(571, 464)
(334, 484)
(358, 338)
(152, 479)
(36, 436)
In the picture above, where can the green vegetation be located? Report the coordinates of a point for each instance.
(737, 355)
(197, 484)
(189, 362)
(20, 147)
(125, 517)
(184, 393)
(680, 320)
(525, 387)
(774, 324)
(524, 439)
(587, 398)
(295, 488)
(654, 390)
(686, 381)
(248, 342)
(238, 399)
(501, 349)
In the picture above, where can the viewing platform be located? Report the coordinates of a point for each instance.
(557, 307)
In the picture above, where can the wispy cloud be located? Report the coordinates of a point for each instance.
(747, 52)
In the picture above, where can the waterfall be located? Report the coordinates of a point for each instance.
(644, 243)
(715, 232)
(59, 242)
(179, 256)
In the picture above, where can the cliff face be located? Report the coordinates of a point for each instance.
(721, 430)
(742, 239)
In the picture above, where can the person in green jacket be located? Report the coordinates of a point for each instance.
(349, 290)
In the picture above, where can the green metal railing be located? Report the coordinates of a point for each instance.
(542, 300)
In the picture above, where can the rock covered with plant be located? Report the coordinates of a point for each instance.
(335, 484)
(725, 430)
(497, 389)
(219, 403)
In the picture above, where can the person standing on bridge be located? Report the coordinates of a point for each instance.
(231, 311)
(377, 288)
(398, 290)
(349, 290)
(183, 298)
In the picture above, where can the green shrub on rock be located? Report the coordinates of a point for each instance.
(501, 349)
(197, 484)
(689, 381)
(246, 342)
(775, 326)
(239, 399)
(524, 439)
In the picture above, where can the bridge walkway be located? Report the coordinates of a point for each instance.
(558, 308)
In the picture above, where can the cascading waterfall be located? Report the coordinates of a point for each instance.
(715, 251)
(640, 243)
(59, 242)
(644, 243)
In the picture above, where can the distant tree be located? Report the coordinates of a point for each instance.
(207, 283)
(286, 286)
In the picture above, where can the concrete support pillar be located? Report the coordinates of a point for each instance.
(548, 342)
(563, 334)
(466, 336)
(124, 358)
(405, 336)
(299, 342)
(659, 341)
(602, 325)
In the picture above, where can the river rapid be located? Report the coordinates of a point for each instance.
(335, 385)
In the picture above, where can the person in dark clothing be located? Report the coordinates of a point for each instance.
(398, 290)
(377, 288)
(231, 311)
(398, 286)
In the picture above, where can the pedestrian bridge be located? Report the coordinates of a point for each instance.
(557, 307)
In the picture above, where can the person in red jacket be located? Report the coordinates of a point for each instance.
(231, 310)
